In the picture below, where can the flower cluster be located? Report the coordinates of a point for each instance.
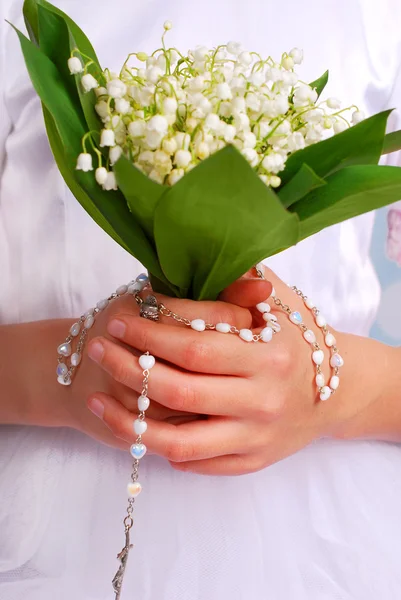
(171, 111)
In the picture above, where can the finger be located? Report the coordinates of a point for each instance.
(233, 464)
(200, 352)
(247, 292)
(175, 389)
(198, 440)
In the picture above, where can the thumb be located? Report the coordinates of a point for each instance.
(247, 291)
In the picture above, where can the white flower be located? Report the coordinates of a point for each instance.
(340, 126)
(154, 139)
(202, 150)
(295, 141)
(175, 176)
(223, 91)
(313, 116)
(102, 109)
(89, 83)
(284, 128)
(252, 102)
(146, 157)
(333, 103)
(101, 175)
(196, 84)
(159, 124)
(169, 145)
(200, 53)
(288, 63)
(142, 56)
(162, 162)
(182, 140)
(84, 162)
(75, 65)
(297, 55)
(137, 128)
(116, 88)
(274, 181)
(225, 109)
(357, 116)
(251, 156)
(170, 105)
(122, 106)
(191, 124)
(213, 123)
(258, 78)
(182, 158)
(107, 138)
(242, 122)
(146, 95)
(239, 104)
(110, 183)
(249, 140)
(245, 58)
(161, 62)
(153, 74)
(304, 95)
(114, 154)
(234, 48)
(100, 91)
(167, 25)
(273, 163)
(156, 176)
(229, 133)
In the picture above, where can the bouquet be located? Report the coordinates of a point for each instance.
(201, 164)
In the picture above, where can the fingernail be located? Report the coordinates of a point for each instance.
(97, 407)
(116, 328)
(95, 351)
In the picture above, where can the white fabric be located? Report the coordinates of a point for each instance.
(324, 524)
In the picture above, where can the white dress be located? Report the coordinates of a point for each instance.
(324, 524)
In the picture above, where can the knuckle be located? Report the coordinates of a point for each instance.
(281, 363)
(183, 398)
(180, 450)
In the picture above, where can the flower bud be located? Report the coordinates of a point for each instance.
(89, 83)
(101, 175)
(115, 154)
(182, 158)
(167, 25)
(137, 128)
(288, 63)
(84, 162)
(122, 106)
(142, 56)
(116, 88)
(333, 103)
(107, 138)
(202, 150)
(357, 116)
(170, 105)
(297, 55)
(102, 109)
(175, 175)
(75, 65)
(169, 145)
(110, 183)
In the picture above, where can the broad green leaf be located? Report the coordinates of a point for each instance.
(217, 222)
(359, 145)
(301, 184)
(320, 84)
(392, 142)
(348, 193)
(141, 193)
(69, 129)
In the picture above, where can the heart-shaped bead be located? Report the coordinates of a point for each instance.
(198, 325)
(310, 336)
(318, 357)
(146, 361)
(143, 403)
(330, 340)
(140, 426)
(296, 318)
(138, 451)
(134, 489)
(325, 393)
(64, 349)
(336, 360)
(266, 334)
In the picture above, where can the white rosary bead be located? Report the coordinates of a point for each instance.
(121, 290)
(318, 357)
(320, 382)
(246, 335)
(309, 303)
(273, 293)
(142, 277)
(223, 327)
(263, 307)
(325, 393)
(135, 287)
(336, 361)
(64, 381)
(64, 349)
(320, 321)
(198, 325)
(330, 340)
(140, 427)
(89, 321)
(134, 489)
(138, 451)
(143, 403)
(296, 318)
(334, 382)
(310, 336)
(269, 318)
(147, 361)
(275, 326)
(75, 359)
(62, 369)
(75, 329)
(89, 313)
(102, 304)
(266, 334)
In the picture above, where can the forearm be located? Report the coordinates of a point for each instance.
(28, 382)
(372, 371)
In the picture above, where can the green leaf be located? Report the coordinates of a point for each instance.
(141, 193)
(350, 192)
(301, 184)
(217, 222)
(392, 142)
(359, 145)
(320, 84)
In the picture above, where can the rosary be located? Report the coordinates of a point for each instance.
(150, 308)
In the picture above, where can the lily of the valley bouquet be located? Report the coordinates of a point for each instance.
(201, 164)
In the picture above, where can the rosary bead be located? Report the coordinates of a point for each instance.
(198, 325)
(318, 357)
(66, 381)
(143, 403)
(64, 349)
(246, 335)
(269, 318)
(330, 340)
(223, 327)
(137, 286)
(336, 360)
(75, 359)
(296, 318)
(140, 426)
(75, 329)
(138, 451)
(309, 303)
(325, 393)
(320, 321)
(143, 278)
(121, 290)
(89, 321)
(89, 312)
(334, 382)
(263, 307)
(266, 334)
(310, 336)
(320, 380)
(275, 326)
(101, 305)
(273, 293)
(134, 489)
(61, 369)
(147, 361)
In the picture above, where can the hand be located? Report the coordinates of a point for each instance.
(260, 399)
